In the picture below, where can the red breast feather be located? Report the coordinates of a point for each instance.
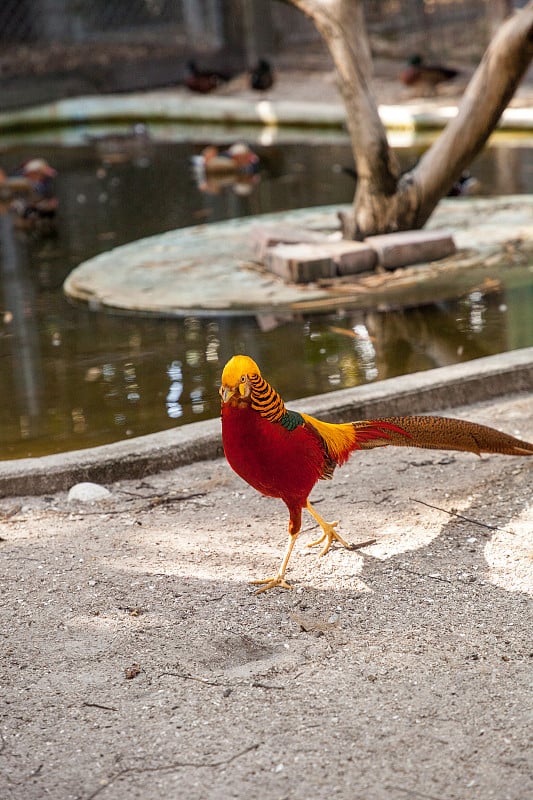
(275, 461)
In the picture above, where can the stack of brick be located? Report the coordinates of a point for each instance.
(304, 256)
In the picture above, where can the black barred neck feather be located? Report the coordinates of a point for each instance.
(268, 402)
(265, 399)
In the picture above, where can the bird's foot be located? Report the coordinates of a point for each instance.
(271, 583)
(330, 535)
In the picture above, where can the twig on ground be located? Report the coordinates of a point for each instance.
(174, 498)
(187, 677)
(220, 684)
(412, 792)
(259, 685)
(98, 705)
(222, 762)
(460, 516)
(359, 545)
(432, 577)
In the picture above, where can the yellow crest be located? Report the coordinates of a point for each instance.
(237, 372)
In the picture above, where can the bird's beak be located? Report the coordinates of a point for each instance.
(226, 392)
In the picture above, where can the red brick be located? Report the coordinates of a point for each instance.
(305, 263)
(353, 257)
(411, 247)
(300, 263)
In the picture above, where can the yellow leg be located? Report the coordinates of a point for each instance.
(329, 532)
(279, 579)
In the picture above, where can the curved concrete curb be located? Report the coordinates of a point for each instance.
(167, 106)
(175, 107)
(153, 275)
(445, 387)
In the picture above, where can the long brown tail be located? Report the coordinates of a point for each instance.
(438, 433)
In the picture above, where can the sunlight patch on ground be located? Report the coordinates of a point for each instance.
(509, 554)
(405, 535)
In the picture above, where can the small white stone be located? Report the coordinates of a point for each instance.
(88, 493)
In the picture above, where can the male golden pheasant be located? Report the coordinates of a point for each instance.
(283, 453)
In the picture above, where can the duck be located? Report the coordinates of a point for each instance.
(236, 167)
(428, 76)
(33, 199)
(261, 76)
(239, 158)
(204, 81)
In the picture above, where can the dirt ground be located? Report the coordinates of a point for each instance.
(138, 663)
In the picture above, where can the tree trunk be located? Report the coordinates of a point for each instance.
(386, 201)
(486, 97)
(342, 25)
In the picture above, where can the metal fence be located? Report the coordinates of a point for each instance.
(209, 22)
(24, 21)
(92, 46)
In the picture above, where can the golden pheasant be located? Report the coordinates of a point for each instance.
(283, 453)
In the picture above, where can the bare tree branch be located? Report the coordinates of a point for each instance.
(486, 97)
(384, 200)
(342, 25)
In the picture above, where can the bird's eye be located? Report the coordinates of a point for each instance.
(243, 378)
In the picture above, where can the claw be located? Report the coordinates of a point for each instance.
(331, 535)
(329, 532)
(271, 583)
(279, 579)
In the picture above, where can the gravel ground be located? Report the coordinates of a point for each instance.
(138, 663)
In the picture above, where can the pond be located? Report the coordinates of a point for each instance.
(73, 378)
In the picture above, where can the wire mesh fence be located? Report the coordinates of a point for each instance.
(23, 21)
(121, 45)
(16, 22)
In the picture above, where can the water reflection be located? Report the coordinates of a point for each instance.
(158, 372)
(174, 407)
(20, 331)
(75, 378)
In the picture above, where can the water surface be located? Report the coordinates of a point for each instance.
(72, 378)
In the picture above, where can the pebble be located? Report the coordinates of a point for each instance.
(88, 493)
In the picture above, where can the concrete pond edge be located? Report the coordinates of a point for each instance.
(168, 106)
(153, 275)
(432, 390)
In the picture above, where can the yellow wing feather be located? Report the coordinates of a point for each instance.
(339, 440)
(342, 439)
